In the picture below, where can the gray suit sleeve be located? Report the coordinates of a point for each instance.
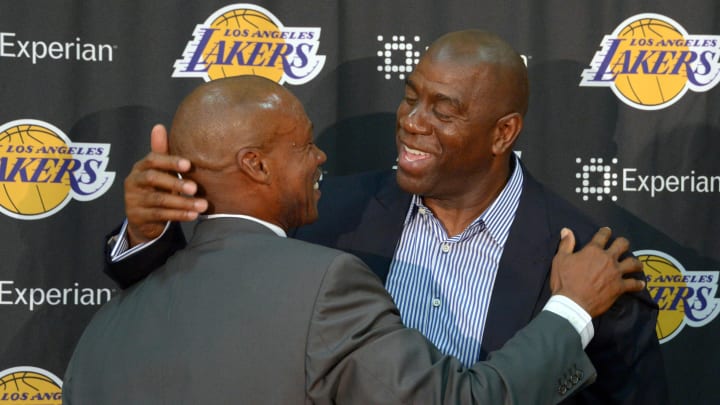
(358, 352)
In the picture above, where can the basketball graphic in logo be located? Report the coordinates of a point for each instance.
(28, 151)
(650, 62)
(246, 39)
(246, 23)
(671, 317)
(654, 87)
(29, 385)
(41, 169)
(683, 297)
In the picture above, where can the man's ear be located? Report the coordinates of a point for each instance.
(507, 130)
(254, 164)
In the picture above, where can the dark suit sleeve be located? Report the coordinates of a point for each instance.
(358, 352)
(626, 351)
(137, 266)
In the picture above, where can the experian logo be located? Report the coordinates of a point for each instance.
(603, 179)
(33, 297)
(35, 51)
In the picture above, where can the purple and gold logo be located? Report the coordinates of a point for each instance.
(684, 297)
(650, 62)
(245, 39)
(29, 385)
(41, 170)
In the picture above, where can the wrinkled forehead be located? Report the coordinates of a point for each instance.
(290, 121)
(454, 79)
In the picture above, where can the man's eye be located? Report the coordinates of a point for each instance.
(441, 116)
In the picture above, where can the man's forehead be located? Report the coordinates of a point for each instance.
(296, 127)
(441, 84)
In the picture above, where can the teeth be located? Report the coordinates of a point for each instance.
(316, 185)
(412, 155)
(414, 151)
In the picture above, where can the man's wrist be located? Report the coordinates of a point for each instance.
(122, 249)
(133, 239)
(575, 314)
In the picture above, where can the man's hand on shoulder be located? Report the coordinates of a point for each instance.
(593, 277)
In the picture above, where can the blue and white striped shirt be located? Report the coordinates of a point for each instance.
(442, 285)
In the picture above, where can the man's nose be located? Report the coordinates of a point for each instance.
(320, 154)
(415, 122)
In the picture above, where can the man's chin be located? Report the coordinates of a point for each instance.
(311, 217)
(409, 184)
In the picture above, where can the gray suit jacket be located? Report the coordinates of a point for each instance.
(243, 316)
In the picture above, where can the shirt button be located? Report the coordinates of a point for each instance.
(422, 210)
(436, 302)
(445, 247)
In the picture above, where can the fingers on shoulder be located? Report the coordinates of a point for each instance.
(601, 237)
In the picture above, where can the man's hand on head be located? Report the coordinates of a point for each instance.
(593, 277)
(155, 194)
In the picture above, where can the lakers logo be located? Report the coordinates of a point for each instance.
(29, 385)
(684, 298)
(41, 170)
(245, 39)
(650, 62)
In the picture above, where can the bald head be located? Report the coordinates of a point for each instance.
(484, 49)
(224, 116)
(247, 138)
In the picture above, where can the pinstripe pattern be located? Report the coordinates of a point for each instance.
(446, 294)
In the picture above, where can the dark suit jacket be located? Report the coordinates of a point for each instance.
(244, 316)
(364, 215)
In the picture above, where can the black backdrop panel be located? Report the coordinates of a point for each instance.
(629, 136)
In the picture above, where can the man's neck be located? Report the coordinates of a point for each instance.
(456, 213)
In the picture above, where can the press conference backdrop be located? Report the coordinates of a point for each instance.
(624, 121)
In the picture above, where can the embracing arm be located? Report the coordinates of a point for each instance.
(136, 265)
(359, 352)
(384, 363)
(154, 195)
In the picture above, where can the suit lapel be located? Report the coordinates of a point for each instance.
(521, 287)
(379, 230)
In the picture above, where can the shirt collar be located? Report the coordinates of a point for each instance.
(498, 216)
(276, 229)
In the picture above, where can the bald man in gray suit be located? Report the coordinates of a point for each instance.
(245, 315)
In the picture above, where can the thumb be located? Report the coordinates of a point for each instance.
(567, 241)
(159, 139)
